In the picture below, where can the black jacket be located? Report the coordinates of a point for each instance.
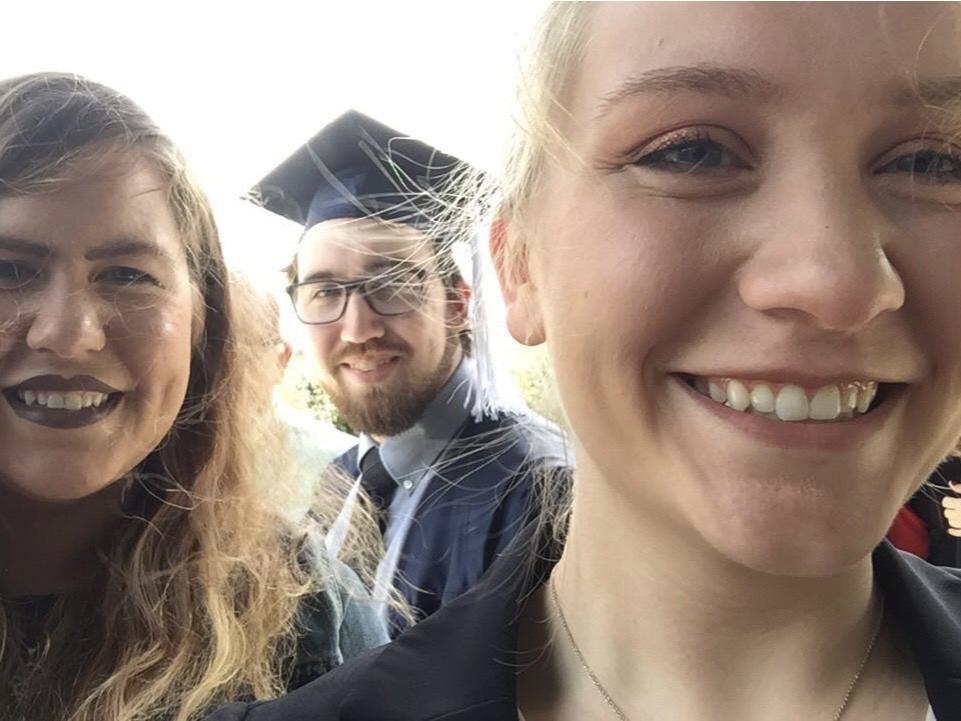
(458, 664)
(472, 509)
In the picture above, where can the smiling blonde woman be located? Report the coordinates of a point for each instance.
(736, 226)
(147, 570)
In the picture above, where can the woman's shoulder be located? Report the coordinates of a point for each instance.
(458, 664)
(337, 622)
(320, 700)
(925, 602)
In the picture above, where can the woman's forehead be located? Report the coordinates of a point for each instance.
(796, 48)
(126, 208)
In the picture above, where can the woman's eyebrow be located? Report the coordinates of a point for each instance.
(705, 78)
(26, 247)
(934, 92)
(129, 247)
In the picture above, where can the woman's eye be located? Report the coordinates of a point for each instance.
(126, 276)
(689, 155)
(928, 165)
(14, 275)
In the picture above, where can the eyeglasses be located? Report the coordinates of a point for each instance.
(318, 302)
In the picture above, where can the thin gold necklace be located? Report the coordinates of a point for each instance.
(623, 717)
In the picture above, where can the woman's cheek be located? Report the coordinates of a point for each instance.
(161, 340)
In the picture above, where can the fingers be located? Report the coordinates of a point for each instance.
(952, 510)
(953, 517)
(950, 502)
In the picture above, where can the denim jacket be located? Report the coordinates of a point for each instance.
(336, 624)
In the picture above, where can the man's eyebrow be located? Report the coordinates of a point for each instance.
(934, 92)
(708, 79)
(128, 247)
(374, 269)
(318, 275)
(387, 265)
(27, 247)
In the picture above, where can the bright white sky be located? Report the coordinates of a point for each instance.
(241, 85)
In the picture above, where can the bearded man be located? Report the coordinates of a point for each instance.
(386, 311)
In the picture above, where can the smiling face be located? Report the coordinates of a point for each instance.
(96, 308)
(763, 205)
(381, 371)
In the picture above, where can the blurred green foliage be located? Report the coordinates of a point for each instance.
(323, 408)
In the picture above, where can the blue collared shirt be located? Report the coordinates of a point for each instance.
(462, 491)
(410, 456)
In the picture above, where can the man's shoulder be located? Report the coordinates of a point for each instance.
(347, 461)
(521, 434)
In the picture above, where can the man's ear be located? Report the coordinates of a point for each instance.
(458, 305)
(524, 319)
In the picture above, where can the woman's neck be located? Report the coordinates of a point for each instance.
(673, 630)
(50, 547)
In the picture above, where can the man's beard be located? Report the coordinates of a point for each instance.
(389, 411)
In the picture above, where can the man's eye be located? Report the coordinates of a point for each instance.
(127, 276)
(14, 274)
(929, 165)
(326, 291)
(690, 155)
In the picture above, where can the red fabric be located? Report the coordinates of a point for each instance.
(909, 533)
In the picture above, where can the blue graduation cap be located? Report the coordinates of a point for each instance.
(357, 167)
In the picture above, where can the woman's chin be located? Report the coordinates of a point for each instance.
(803, 546)
(58, 486)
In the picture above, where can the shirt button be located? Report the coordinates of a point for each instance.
(408, 485)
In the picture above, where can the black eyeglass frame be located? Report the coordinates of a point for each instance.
(350, 288)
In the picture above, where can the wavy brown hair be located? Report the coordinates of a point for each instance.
(199, 584)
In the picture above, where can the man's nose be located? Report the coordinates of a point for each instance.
(360, 323)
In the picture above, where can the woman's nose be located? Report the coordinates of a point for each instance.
(66, 322)
(824, 261)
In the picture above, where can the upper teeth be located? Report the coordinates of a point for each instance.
(70, 400)
(840, 401)
(367, 366)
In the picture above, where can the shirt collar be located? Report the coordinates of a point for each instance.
(409, 455)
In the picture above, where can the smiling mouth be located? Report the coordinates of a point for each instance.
(785, 402)
(372, 365)
(61, 409)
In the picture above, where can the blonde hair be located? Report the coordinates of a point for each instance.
(549, 62)
(548, 65)
(199, 585)
(547, 71)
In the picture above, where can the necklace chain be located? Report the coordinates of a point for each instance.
(623, 717)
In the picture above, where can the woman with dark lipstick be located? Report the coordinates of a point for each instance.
(737, 227)
(146, 571)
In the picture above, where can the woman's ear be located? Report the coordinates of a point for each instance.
(524, 319)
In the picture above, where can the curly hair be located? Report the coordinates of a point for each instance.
(199, 583)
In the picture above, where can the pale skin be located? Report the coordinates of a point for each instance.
(952, 511)
(345, 250)
(93, 282)
(798, 249)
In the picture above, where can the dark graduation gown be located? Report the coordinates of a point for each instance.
(459, 665)
(477, 482)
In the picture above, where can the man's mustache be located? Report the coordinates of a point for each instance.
(365, 350)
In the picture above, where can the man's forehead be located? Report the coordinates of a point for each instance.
(351, 245)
